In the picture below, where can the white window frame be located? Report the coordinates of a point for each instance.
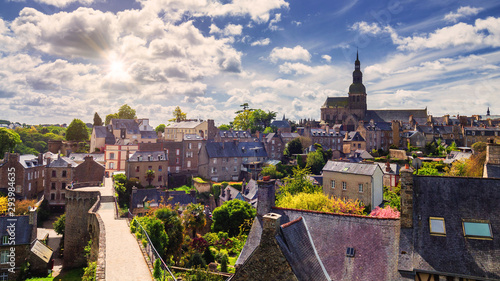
(332, 184)
(344, 185)
(360, 187)
(4, 257)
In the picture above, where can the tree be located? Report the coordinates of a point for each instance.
(160, 128)
(109, 117)
(156, 232)
(157, 269)
(299, 183)
(194, 217)
(243, 120)
(224, 127)
(231, 215)
(60, 224)
(77, 131)
(178, 115)
(173, 228)
(272, 172)
(318, 201)
(4, 204)
(97, 120)
(8, 140)
(208, 256)
(316, 161)
(196, 260)
(261, 119)
(293, 147)
(126, 112)
(150, 176)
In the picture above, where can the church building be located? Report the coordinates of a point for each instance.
(348, 111)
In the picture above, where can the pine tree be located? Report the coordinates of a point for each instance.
(97, 120)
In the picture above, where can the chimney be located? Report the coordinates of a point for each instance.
(492, 153)
(406, 197)
(270, 226)
(387, 167)
(265, 197)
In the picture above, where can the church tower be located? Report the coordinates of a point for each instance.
(357, 92)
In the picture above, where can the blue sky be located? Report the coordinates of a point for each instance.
(65, 59)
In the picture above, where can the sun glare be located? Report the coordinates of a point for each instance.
(117, 69)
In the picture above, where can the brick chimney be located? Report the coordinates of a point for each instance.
(265, 197)
(406, 197)
(387, 167)
(492, 153)
(270, 225)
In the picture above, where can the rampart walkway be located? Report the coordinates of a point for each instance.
(124, 259)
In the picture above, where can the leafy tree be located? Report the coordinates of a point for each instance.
(77, 131)
(194, 217)
(428, 169)
(150, 176)
(157, 269)
(261, 119)
(271, 171)
(318, 201)
(208, 256)
(479, 147)
(60, 224)
(393, 197)
(156, 232)
(224, 127)
(293, 147)
(316, 161)
(197, 260)
(457, 169)
(268, 130)
(452, 147)
(4, 204)
(8, 140)
(231, 215)
(109, 117)
(97, 120)
(243, 120)
(178, 115)
(224, 262)
(126, 112)
(160, 128)
(299, 183)
(173, 228)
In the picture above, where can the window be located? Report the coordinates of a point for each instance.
(360, 186)
(177, 169)
(344, 185)
(189, 164)
(63, 185)
(4, 258)
(52, 196)
(150, 167)
(111, 165)
(436, 226)
(112, 156)
(5, 239)
(177, 151)
(215, 160)
(235, 160)
(234, 169)
(64, 174)
(332, 183)
(53, 185)
(477, 229)
(177, 160)
(189, 145)
(63, 196)
(160, 178)
(350, 252)
(214, 170)
(4, 276)
(137, 169)
(160, 168)
(29, 186)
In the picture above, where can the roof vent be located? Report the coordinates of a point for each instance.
(350, 252)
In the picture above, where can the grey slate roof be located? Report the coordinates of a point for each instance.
(493, 171)
(22, 227)
(145, 156)
(183, 125)
(354, 136)
(350, 168)
(192, 137)
(148, 135)
(394, 168)
(453, 199)
(79, 157)
(251, 189)
(280, 124)
(290, 135)
(336, 102)
(378, 126)
(129, 124)
(230, 193)
(103, 132)
(29, 161)
(234, 134)
(62, 162)
(297, 246)
(389, 115)
(230, 149)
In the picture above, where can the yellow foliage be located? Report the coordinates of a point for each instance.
(3, 204)
(318, 201)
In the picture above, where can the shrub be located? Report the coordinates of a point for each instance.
(197, 260)
(208, 256)
(386, 212)
(223, 263)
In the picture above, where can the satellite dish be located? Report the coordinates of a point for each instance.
(416, 163)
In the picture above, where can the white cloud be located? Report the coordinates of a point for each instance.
(365, 28)
(327, 58)
(272, 24)
(64, 3)
(295, 54)
(261, 42)
(297, 23)
(302, 69)
(229, 30)
(462, 12)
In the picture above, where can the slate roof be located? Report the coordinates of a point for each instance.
(79, 157)
(489, 131)
(29, 161)
(363, 154)
(103, 132)
(336, 102)
(394, 168)
(230, 193)
(388, 115)
(22, 227)
(149, 135)
(183, 125)
(297, 246)
(456, 155)
(426, 129)
(145, 156)
(378, 126)
(280, 124)
(374, 240)
(192, 137)
(321, 132)
(290, 135)
(453, 199)
(62, 162)
(251, 189)
(230, 149)
(234, 134)
(492, 171)
(157, 196)
(354, 136)
(350, 168)
(129, 124)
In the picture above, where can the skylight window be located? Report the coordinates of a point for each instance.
(437, 226)
(477, 229)
(350, 252)
(345, 169)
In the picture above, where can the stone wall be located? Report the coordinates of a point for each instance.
(398, 153)
(77, 235)
(493, 154)
(202, 187)
(406, 197)
(98, 236)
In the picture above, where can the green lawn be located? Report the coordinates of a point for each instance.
(70, 275)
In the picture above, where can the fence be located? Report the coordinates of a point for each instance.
(151, 250)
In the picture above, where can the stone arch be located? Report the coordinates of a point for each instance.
(350, 123)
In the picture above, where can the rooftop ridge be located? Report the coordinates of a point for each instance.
(334, 214)
(285, 225)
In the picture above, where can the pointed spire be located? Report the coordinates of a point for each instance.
(488, 112)
(357, 54)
